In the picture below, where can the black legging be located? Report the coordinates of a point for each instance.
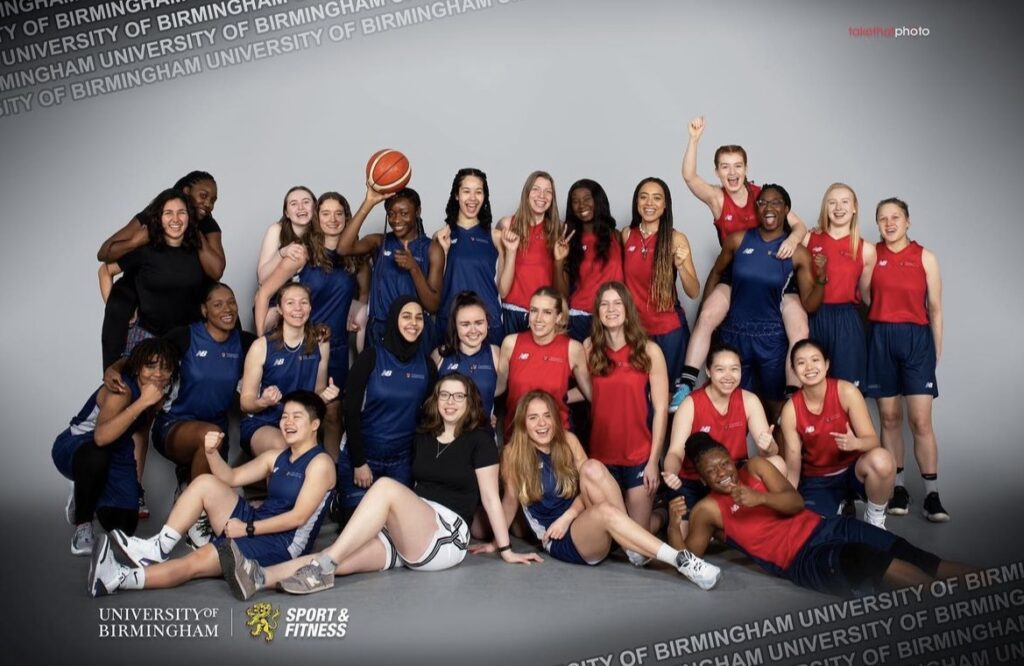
(90, 466)
(117, 316)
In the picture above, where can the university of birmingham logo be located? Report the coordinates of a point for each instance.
(262, 620)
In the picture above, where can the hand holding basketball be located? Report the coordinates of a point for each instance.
(388, 171)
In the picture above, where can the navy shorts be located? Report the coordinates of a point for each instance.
(840, 331)
(267, 549)
(514, 319)
(163, 424)
(248, 426)
(901, 361)
(627, 476)
(763, 350)
(822, 564)
(673, 346)
(579, 326)
(565, 550)
(398, 468)
(823, 494)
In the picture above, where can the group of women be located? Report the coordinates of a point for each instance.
(545, 312)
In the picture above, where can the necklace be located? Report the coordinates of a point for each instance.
(643, 241)
(439, 449)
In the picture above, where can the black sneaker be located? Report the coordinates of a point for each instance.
(900, 502)
(933, 509)
(848, 507)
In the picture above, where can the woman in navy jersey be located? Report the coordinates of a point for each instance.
(471, 251)
(572, 504)
(424, 528)
(543, 358)
(288, 244)
(832, 450)
(729, 414)
(595, 252)
(754, 325)
(837, 324)
(655, 254)
(467, 351)
(290, 358)
(201, 189)
(386, 386)
(904, 347)
(532, 248)
(732, 208)
(96, 451)
(299, 482)
(405, 260)
(629, 388)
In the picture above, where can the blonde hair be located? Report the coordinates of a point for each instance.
(823, 222)
(519, 456)
(523, 216)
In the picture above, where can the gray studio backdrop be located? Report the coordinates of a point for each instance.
(600, 89)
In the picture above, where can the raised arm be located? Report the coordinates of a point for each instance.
(507, 242)
(350, 242)
(133, 235)
(711, 196)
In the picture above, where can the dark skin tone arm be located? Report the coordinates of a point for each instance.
(781, 495)
(129, 237)
(809, 280)
(211, 255)
(350, 243)
(428, 288)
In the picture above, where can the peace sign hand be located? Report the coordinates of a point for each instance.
(562, 245)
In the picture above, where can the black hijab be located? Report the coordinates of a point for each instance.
(394, 342)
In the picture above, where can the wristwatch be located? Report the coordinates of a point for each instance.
(250, 528)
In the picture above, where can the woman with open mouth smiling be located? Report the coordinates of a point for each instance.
(406, 262)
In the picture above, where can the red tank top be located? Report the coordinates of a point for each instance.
(638, 266)
(819, 453)
(619, 435)
(594, 273)
(538, 367)
(899, 286)
(762, 532)
(733, 217)
(844, 269)
(534, 268)
(729, 429)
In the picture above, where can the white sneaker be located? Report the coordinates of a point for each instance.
(82, 541)
(105, 574)
(200, 533)
(703, 575)
(636, 559)
(136, 552)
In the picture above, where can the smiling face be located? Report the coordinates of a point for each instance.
(452, 401)
(732, 171)
(174, 221)
(540, 196)
(539, 423)
(582, 202)
(724, 372)
(331, 216)
(402, 217)
(296, 424)
(470, 197)
(294, 306)
(611, 309)
(410, 321)
(220, 310)
(810, 365)
(841, 208)
(471, 326)
(771, 210)
(204, 196)
(543, 317)
(155, 371)
(650, 202)
(298, 207)
(893, 223)
(718, 471)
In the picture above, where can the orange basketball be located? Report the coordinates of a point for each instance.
(388, 171)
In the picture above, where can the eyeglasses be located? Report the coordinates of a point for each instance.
(445, 396)
(774, 203)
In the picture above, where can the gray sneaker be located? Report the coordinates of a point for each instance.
(82, 541)
(245, 577)
(309, 579)
(703, 575)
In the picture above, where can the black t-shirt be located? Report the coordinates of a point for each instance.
(446, 473)
(169, 282)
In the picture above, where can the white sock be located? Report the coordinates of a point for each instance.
(875, 511)
(326, 563)
(135, 579)
(667, 554)
(167, 539)
(931, 486)
(899, 478)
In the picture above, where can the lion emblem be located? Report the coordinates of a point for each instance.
(262, 620)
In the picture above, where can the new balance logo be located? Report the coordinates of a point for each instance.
(749, 250)
(705, 429)
(385, 373)
(816, 249)
(278, 361)
(201, 353)
(524, 356)
(387, 253)
(929, 385)
(809, 429)
(883, 262)
(632, 248)
(454, 241)
(453, 366)
(584, 247)
(734, 508)
(728, 218)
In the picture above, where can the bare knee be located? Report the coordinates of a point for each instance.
(920, 425)
(880, 462)
(593, 471)
(891, 418)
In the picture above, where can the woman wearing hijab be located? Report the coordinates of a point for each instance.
(385, 388)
